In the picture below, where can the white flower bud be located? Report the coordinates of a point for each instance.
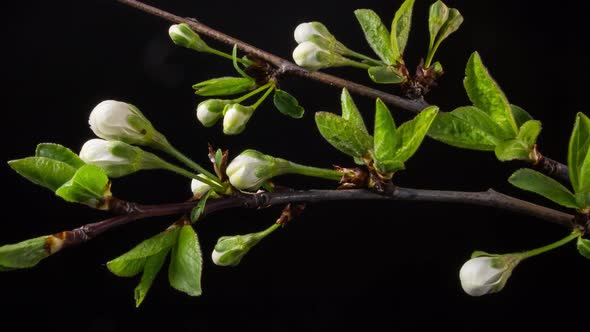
(199, 188)
(230, 250)
(117, 158)
(311, 56)
(305, 31)
(235, 118)
(183, 35)
(210, 111)
(250, 169)
(115, 120)
(486, 274)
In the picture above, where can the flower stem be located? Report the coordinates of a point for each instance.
(252, 93)
(313, 171)
(369, 60)
(228, 56)
(271, 87)
(534, 252)
(187, 161)
(205, 179)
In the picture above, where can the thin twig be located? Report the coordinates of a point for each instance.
(488, 198)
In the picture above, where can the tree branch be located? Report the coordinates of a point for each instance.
(489, 198)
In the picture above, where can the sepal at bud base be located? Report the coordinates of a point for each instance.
(211, 110)
(235, 118)
(251, 169)
(183, 35)
(487, 273)
(230, 250)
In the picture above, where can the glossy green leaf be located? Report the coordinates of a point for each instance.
(539, 183)
(486, 95)
(583, 199)
(133, 262)
(224, 86)
(400, 28)
(186, 263)
(377, 35)
(59, 153)
(384, 135)
(198, 210)
(577, 160)
(467, 127)
(385, 75)
(24, 254)
(88, 185)
(439, 12)
(512, 149)
(343, 135)
(152, 266)
(529, 131)
(583, 247)
(520, 115)
(389, 166)
(454, 21)
(287, 104)
(45, 172)
(410, 135)
(350, 112)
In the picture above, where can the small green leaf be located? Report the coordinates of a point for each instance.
(400, 28)
(133, 262)
(59, 153)
(439, 12)
(513, 149)
(454, 21)
(389, 166)
(530, 180)
(24, 254)
(583, 247)
(410, 135)
(45, 172)
(287, 104)
(529, 131)
(186, 263)
(377, 35)
(385, 75)
(467, 127)
(350, 112)
(198, 210)
(583, 199)
(577, 158)
(218, 158)
(152, 266)
(520, 115)
(224, 86)
(343, 135)
(385, 139)
(88, 185)
(486, 95)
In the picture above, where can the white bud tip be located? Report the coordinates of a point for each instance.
(479, 276)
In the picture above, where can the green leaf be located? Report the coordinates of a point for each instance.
(287, 104)
(539, 183)
(186, 263)
(218, 158)
(486, 95)
(133, 262)
(45, 172)
(224, 86)
(439, 12)
(343, 135)
(410, 135)
(88, 185)
(513, 149)
(385, 139)
(529, 131)
(583, 247)
(583, 199)
(385, 75)
(59, 153)
(152, 266)
(377, 35)
(520, 115)
(389, 166)
(454, 21)
(350, 112)
(24, 254)
(198, 210)
(578, 154)
(400, 28)
(467, 127)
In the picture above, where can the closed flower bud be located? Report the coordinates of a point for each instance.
(210, 111)
(199, 188)
(305, 31)
(487, 274)
(311, 56)
(115, 120)
(251, 169)
(183, 35)
(235, 118)
(117, 158)
(230, 250)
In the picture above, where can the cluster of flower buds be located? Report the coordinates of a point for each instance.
(235, 115)
(318, 48)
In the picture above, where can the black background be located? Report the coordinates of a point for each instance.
(358, 265)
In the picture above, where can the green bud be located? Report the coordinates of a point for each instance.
(224, 86)
(211, 110)
(486, 274)
(183, 35)
(235, 118)
(230, 250)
